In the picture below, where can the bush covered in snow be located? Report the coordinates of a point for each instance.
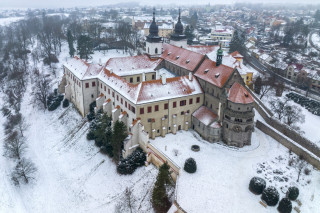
(257, 185)
(285, 206)
(311, 105)
(270, 195)
(132, 162)
(91, 114)
(293, 193)
(190, 165)
(54, 101)
(65, 103)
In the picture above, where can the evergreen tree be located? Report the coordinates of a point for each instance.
(237, 42)
(103, 131)
(189, 34)
(118, 135)
(285, 206)
(84, 46)
(70, 43)
(317, 15)
(160, 200)
(257, 85)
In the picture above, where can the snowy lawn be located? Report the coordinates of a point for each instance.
(8, 21)
(311, 125)
(73, 176)
(221, 181)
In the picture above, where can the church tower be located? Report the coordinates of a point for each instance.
(219, 56)
(153, 43)
(178, 38)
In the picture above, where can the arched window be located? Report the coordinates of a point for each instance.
(156, 51)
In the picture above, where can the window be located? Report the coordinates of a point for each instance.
(87, 85)
(125, 103)
(142, 111)
(131, 80)
(100, 85)
(182, 113)
(133, 109)
(149, 109)
(153, 77)
(109, 91)
(198, 99)
(105, 88)
(113, 94)
(138, 79)
(92, 96)
(238, 119)
(183, 103)
(165, 106)
(156, 108)
(190, 101)
(93, 84)
(121, 101)
(129, 107)
(174, 104)
(117, 97)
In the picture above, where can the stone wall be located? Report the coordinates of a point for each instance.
(313, 160)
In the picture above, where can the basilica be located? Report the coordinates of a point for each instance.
(171, 87)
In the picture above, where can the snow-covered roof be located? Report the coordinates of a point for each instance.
(203, 49)
(216, 75)
(205, 115)
(184, 58)
(82, 69)
(132, 65)
(238, 94)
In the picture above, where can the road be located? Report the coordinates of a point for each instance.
(263, 69)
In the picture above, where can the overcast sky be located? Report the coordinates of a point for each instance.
(79, 3)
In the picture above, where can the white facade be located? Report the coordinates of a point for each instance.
(153, 48)
(181, 43)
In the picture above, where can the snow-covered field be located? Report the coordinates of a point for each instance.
(221, 181)
(7, 21)
(311, 125)
(73, 176)
(316, 39)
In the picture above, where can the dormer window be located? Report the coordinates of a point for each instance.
(217, 75)
(188, 61)
(206, 70)
(169, 53)
(177, 57)
(246, 95)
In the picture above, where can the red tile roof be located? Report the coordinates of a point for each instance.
(203, 49)
(209, 72)
(184, 58)
(236, 54)
(238, 94)
(205, 115)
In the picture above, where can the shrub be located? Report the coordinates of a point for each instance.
(90, 135)
(285, 206)
(65, 103)
(257, 185)
(54, 101)
(307, 171)
(293, 193)
(270, 195)
(190, 165)
(107, 149)
(132, 162)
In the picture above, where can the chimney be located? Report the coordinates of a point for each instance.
(190, 76)
(99, 61)
(143, 76)
(111, 71)
(163, 78)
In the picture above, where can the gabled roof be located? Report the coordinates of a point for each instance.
(184, 58)
(236, 54)
(81, 69)
(209, 72)
(203, 49)
(132, 65)
(238, 94)
(205, 115)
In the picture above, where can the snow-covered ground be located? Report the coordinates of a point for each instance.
(311, 125)
(73, 176)
(221, 181)
(316, 39)
(7, 21)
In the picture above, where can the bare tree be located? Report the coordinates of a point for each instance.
(293, 114)
(22, 126)
(14, 146)
(265, 89)
(278, 107)
(24, 170)
(300, 165)
(41, 89)
(128, 204)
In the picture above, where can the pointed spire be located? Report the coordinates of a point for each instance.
(179, 19)
(154, 14)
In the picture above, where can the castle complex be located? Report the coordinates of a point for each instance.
(172, 87)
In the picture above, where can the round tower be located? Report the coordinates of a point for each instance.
(153, 43)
